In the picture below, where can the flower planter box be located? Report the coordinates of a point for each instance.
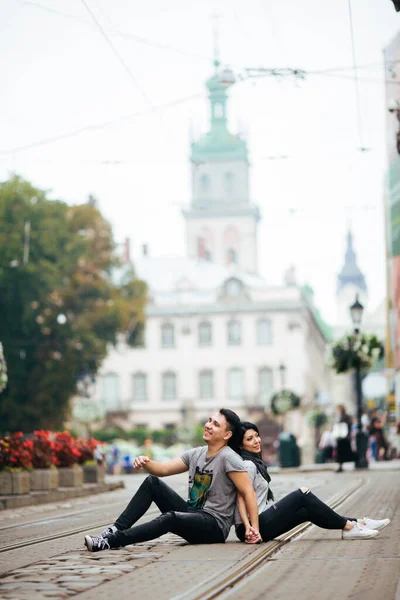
(44, 479)
(93, 474)
(12, 483)
(70, 476)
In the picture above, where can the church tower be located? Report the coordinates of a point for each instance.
(350, 282)
(221, 223)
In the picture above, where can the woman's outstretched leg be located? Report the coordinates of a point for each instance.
(302, 506)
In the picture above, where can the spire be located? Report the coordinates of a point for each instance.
(216, 19)
(350, 273)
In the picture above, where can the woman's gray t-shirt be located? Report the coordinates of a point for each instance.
(260, 486)
(210, 488)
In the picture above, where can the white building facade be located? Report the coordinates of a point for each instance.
(216, 333)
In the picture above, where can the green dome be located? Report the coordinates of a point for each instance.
(219, 144)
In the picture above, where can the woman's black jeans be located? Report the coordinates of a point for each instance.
(295, 508)
(195, 526)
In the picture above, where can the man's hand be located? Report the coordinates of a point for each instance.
(252, 536)
(159, 469)
(140, 462)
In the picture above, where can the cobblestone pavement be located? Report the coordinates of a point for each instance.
(62, 568)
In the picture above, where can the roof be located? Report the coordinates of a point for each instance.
(169, 278)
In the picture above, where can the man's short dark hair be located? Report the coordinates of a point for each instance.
(232, 419)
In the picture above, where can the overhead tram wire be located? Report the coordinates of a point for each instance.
(117, 55)
(121, 34)
(356, 82)
(97, 126)
(161, 46)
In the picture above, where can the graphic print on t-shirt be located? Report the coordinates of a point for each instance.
(199, 488)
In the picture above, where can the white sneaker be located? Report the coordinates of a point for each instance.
(358, 533)
(376, 524)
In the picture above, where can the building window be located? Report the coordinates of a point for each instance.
(139, 387)
(205, 334)
(204, 183)
(264, 332)
(265, 385)
(235, 384)
(234, 333)
(206, 385)
(110, 392)
(167, 335)
(232, 258)
(233, 287)
(169, 386)
(229, 181)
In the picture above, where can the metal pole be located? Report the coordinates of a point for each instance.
(361, 438)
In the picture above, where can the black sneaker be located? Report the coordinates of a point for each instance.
(108, 531)
(96, 543)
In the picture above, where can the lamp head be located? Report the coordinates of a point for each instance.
(356, 312)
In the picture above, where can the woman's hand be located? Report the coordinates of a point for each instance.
(252, 535)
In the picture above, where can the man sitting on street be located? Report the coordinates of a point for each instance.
(216, 474)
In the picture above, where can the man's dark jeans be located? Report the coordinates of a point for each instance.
(194, 525)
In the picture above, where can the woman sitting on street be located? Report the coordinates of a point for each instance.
(297, 507)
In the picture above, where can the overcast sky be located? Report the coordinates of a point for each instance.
(59, 75)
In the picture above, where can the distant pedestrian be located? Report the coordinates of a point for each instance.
(115, 453)
(98, 456)
(341, 432)
(326, 444)
(378, 442)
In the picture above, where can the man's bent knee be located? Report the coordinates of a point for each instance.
(151, 480)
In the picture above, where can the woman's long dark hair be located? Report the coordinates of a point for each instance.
(254, 457)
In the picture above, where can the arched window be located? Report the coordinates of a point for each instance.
(231, 245)
(264, 332)
(205, 334)
(169, 386)
(231, 256)
(139, 382)
(234, 333)
(167, 335)
(229, 183)
(235, 384)
(206, 385)
(204, 183)
(110, 391)
(265, 385)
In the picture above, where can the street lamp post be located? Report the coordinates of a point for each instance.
(356, 312)
(282, 371)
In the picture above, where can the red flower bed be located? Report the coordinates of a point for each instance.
(66, 450)
(15, 452)
(43, 450)
(86, 448)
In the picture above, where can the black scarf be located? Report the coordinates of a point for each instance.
(261, 468)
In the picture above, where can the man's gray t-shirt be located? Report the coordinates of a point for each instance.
(210, 488)
(260, 486)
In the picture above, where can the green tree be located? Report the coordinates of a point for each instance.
(63, 298)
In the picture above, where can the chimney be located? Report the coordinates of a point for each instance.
(145, 250)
